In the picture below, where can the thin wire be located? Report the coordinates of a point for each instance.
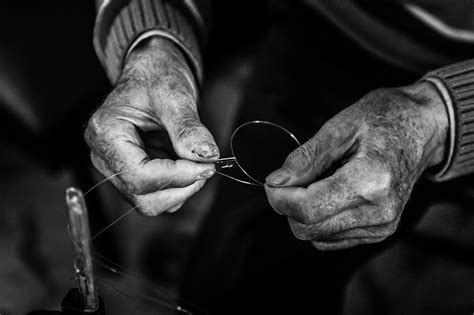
(239, 180)
(106, 263)
(109, 178)
(99, 279)
(122, 216)
(145, 297)
(113, 223)
(121, 271)
(255, 122)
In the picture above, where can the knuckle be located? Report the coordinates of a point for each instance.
(301, 158)
(186, 121)
(96, 126)
(134, 187)
(301, 214)
(96, 163)
(378, 185)
(384, 182)
(91, 129)
(307, 211)
(390, 230)
(306, 217)
(389, 214)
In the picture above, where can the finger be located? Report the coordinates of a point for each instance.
(338, 245)
(175, 208)
(288, 201)
(310, 160)
(322, 199)
(364, 217)
(116, 141)
(190, 138)
(385, 229)
(167, 199)
(100, 165)
(382, 231)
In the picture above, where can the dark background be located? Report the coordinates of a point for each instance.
(267, 65)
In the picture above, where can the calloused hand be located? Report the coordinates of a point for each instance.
(385, 142)
(148, 128)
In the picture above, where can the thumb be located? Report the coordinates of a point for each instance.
(190, 138)
(310, 160)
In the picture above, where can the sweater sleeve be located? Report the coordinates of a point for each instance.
(121, 24)
(456, 85)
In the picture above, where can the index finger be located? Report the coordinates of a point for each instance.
(321, 200)
(117, 142)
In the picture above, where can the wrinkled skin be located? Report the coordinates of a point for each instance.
(385, 142)
(150, 125)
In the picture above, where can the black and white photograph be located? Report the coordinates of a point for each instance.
(215, 157)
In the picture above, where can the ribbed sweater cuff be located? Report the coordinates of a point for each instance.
(115, 35)
(458, 81)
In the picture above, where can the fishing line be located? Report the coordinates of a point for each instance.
(122, 271)
(134, 299)
(162, 297)
(163, 300)
(124, 214)
(162, 294)
(101, 280)
(114, 222)
(109, 178)
(144, 297)
(239, 180)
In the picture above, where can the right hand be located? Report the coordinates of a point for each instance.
(150, 125)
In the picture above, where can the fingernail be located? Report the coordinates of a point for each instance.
(206, 149)
(206, 174)
(277, 178)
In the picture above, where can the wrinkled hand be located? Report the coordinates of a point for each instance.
(385, 142)
(149, 124)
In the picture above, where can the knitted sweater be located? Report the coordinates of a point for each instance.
(433, 36)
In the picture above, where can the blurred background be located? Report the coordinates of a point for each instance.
(50, 82)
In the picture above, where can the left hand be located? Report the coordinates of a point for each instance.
(386, 141)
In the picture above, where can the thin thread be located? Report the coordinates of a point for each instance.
(163, 298)
(114, 222)
(121, 271)
(99, 279)
(109, 178)
(145, 297)
(122, 216)
(239, 180)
